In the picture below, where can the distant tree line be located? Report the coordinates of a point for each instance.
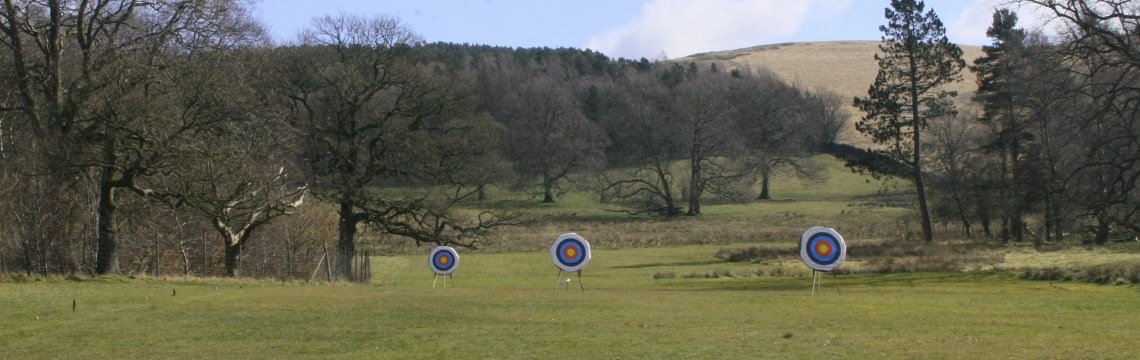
(168, 136)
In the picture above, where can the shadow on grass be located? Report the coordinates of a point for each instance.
(539, 212)
(663, 264)
(829, 281)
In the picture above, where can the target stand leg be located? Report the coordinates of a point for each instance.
(581, 288)
(445, 279)
(558, 280)
(835, 281)
(814, 281)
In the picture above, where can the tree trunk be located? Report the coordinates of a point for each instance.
(764, 195)
(1102, 230)
(667, 193)
(547, 190)
(924, 209)
(1054, 217)
(919, 183)
(1018, 226)
(695, 182)
(346, 246)
(1004, 196)
(1058, 230)
(233, 256)
(1004, 230)
(984, 218)
(106, 252)
(1016, 220)
(1049, 224)
(986, 227)
(963, 212)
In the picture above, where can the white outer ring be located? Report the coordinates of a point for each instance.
(804, 251)
(431, 260)
(585, 248)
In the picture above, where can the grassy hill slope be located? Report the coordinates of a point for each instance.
(845, 67)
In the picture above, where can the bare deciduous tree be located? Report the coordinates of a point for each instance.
(642, 122)
(368, 118)
(549, 137)
(704, 113)
(97, 80)
(1102, 53)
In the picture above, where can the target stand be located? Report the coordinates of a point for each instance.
(817, 282)
(823, 250)
(443, 261)
(570, 253)
(445, 279)
(560, 284)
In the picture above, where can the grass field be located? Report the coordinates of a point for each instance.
(655, 288)
(505, 306)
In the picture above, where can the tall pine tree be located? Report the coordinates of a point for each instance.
(916, 60)
(999, 78)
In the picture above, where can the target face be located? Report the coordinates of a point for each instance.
(570, 252)
(822, 249)
(443, 260)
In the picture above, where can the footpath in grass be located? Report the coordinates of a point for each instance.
(505, 306)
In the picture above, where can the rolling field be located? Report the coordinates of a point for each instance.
(505, 306)
(656, 288)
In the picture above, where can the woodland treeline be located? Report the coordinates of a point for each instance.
(166, 137)
(146, 137)
(1048, 149)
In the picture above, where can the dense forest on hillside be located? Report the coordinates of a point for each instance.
(139, 135)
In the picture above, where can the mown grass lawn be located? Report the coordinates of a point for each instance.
(505, 306)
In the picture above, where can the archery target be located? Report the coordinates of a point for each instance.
(822, 249)
(570, 252)
(443, 260)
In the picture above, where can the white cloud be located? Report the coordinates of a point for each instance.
(683, 27)
(970, 26)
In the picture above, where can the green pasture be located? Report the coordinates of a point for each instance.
(834, 184)
(850, 202)
(655, 289)
(505, 305)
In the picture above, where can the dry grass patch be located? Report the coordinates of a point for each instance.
(1121, 273)
(1116, 264)
(884, 257)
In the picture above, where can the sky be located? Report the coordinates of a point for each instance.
(636, 28)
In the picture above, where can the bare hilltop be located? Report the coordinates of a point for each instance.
(844, 67)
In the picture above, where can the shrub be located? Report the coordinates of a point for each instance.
(1121, 273)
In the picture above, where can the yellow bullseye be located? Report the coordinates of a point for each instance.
(444, 260)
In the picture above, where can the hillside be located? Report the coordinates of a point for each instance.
(845, 67)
